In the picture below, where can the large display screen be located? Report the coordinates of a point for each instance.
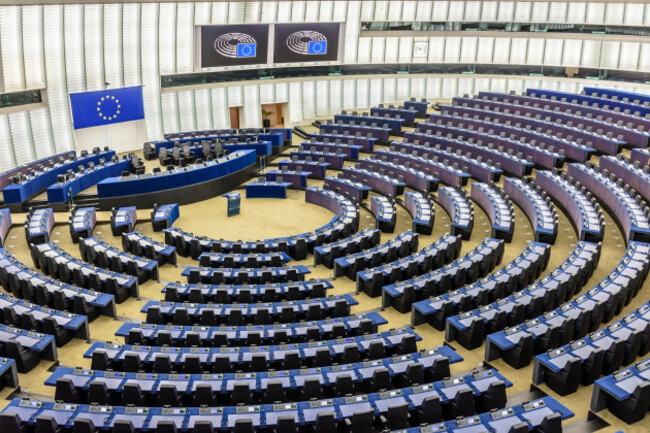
(234, 45)
(306, 42)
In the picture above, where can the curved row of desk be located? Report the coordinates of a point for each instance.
(517, 345)
(437, 254)
(250, 335)
(510, 278)
(536, 205)
(344, 223)
(474, 265)
(459, 208)
(226, 293)
(470, 328)
(497, 207)
(579, 204)
(261, 313)
(579, 130)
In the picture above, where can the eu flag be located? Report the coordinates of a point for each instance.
(106, 107)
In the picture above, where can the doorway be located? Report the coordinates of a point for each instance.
(273, 115)
(234, 117)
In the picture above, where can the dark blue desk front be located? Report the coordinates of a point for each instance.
(177, 178)
(20, 192)
(267, 189)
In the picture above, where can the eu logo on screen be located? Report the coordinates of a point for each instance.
(246, 50)
(317, 47)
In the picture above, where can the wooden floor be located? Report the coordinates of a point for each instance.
(265, 218)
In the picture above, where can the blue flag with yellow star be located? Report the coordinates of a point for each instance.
(106, 107)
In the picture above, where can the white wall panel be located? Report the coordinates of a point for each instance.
(220, 11)
(395, 10)
(312, 11)
(326, 10)
(634, 14)
(309, 99)
(595, 13)
(362, 96)
(378, 50)
(367, 12)
(409, 11)
(590, 54)
(472, 11)
(269, 11)
(12, 48)
(539, 12)
(131, 43)
(403, 90)
(336, 96)
(21, 137)
(185, 37)
(449, 87)
(295, 102)
(391, 50)
(405, 50)
(518, 49)
(57, 93)
(298, 11)
(322, 98)
(609, 54)
(433, 88)
(535, 52)
(485, 50)
(614, 13)
(352, 23)
(220, 110)
(629, 57)
(113, 66)
(501, 50)
(253, 12)
(75, 71)
(170, 118)
(186, 115)
(167, 38)
(390, 92)
(465, 86)
(576, 12)
(41, 134)
(489, 11)
(506, 11)
(252, 112)
(149, 69)
(468, 50)
(436, 50)
(440, 11)
(571, 52)
(282, 92)
(424, 10)
(7, 159)
(33, 38)
(94, 46)
(284, 11)
(365, 45)
(235, 96)
(452, 50)
(456, 11)
(203, 109)
(644, 57)
(557, 12)
(523, 11)
(553, 52)
(381, 10)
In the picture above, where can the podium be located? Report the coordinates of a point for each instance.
(234, 203)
